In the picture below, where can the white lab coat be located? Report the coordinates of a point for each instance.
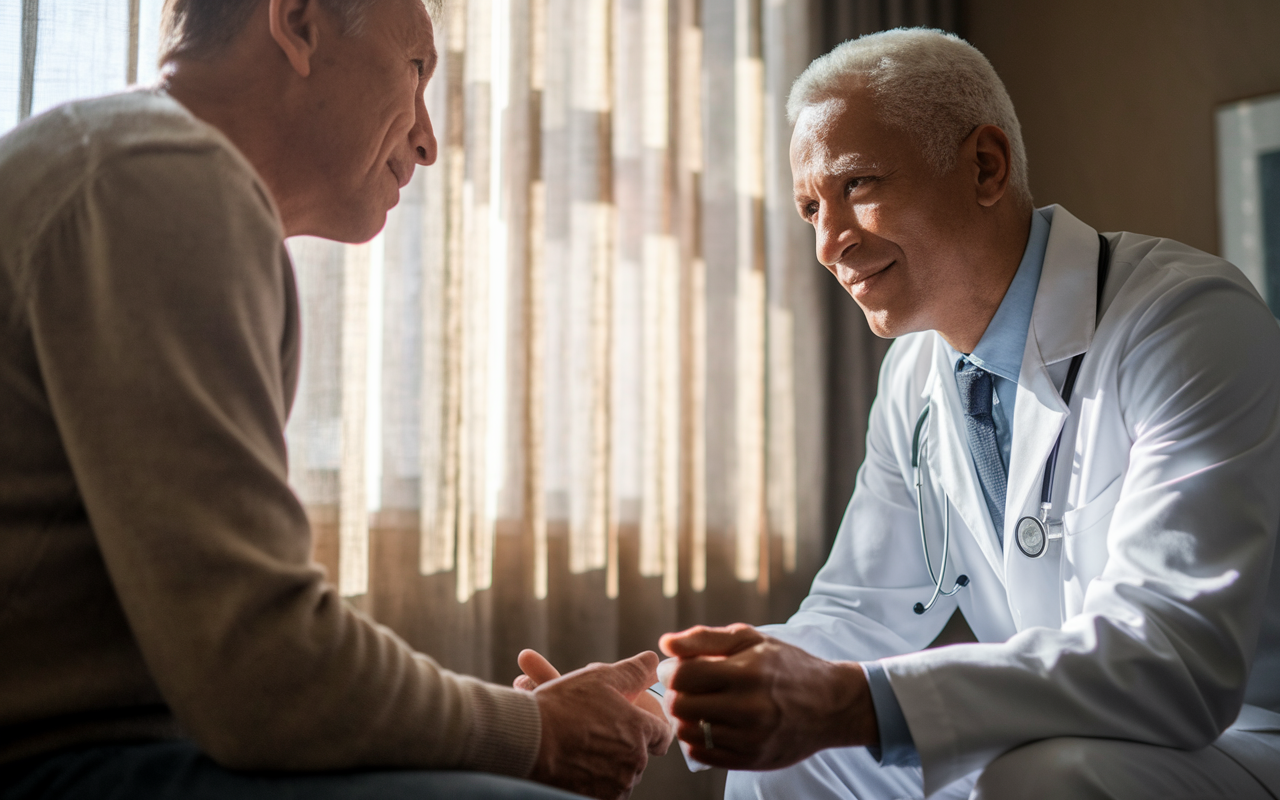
(1152, 619)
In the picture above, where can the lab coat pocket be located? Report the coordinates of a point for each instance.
(1085, 545)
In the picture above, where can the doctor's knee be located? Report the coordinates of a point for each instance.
(1051, 769)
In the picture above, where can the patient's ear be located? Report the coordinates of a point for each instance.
(293, 25)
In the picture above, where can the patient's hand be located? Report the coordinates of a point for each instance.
(538, 670)
(594, 741)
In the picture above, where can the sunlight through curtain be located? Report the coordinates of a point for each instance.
(563, 372)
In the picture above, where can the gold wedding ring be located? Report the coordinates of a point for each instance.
(706, 733)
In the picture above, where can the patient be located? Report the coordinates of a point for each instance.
(163, 630)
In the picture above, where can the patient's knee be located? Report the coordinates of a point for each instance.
(1047, 770)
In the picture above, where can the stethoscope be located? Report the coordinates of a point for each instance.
(1032, 533)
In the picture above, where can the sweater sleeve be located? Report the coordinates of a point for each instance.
(161, 297)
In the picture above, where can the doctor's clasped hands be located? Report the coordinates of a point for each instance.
(765, 703)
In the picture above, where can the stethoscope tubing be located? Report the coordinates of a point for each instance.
(1031, 524)
(961, 580)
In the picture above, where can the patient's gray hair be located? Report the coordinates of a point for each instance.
(199, 28)
(931, 84)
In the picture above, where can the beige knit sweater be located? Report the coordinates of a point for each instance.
(154, 564)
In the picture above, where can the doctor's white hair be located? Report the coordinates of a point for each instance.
(931, 84)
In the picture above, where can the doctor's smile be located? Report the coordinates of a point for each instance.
(859, 287)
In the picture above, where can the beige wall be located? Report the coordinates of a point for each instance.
(1116, 99)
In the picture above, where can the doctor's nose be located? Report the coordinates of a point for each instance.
(837, 235)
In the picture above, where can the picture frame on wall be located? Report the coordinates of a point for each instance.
(1249, 191)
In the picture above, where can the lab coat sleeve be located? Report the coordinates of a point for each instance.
(860, 605)
(896, 747)
(1160, 652)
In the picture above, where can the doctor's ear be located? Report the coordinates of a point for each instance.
(990, 157)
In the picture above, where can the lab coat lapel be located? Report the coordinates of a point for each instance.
(949, 461)
(1037, 418)
(1062, 323)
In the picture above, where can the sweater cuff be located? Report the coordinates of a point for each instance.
(506, 729)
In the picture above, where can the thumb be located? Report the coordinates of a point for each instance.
(703, 641)
(537, 668)
(631, 676)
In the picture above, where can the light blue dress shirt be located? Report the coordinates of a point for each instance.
(999, 352)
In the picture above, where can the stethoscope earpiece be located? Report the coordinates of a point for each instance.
(961, 582)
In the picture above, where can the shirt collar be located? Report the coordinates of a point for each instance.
(1000, 349)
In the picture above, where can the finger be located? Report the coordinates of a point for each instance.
(732, 709)
(657, 731)
(524, 683)
(703, 641)
(722, 757)
(631, 676)
(537, 668)
(725, 738)
(648, 703)
(703, 674)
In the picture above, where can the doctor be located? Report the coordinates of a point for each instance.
(1138, 655)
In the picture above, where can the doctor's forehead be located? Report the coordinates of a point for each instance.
(831, 139)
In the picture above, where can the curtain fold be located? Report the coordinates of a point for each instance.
(567, 368)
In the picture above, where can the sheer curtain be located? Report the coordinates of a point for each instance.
(52, 51)
(554, 403)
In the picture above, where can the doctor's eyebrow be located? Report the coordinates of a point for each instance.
(840, 169)
(845, 165)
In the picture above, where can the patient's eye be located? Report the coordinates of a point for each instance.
(854, 183)
(421, 66)
(808, 210)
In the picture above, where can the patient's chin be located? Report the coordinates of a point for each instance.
(356, 228)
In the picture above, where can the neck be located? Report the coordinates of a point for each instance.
(996, 263)
(223, 94)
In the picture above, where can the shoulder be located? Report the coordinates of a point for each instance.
(140, 141)
(1152, 276)
(1181, 324)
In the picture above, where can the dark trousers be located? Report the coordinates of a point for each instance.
(177, 770)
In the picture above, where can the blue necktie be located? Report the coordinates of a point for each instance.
(975, 386)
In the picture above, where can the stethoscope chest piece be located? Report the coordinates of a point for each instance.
(1033, 534)
(1032, 537)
